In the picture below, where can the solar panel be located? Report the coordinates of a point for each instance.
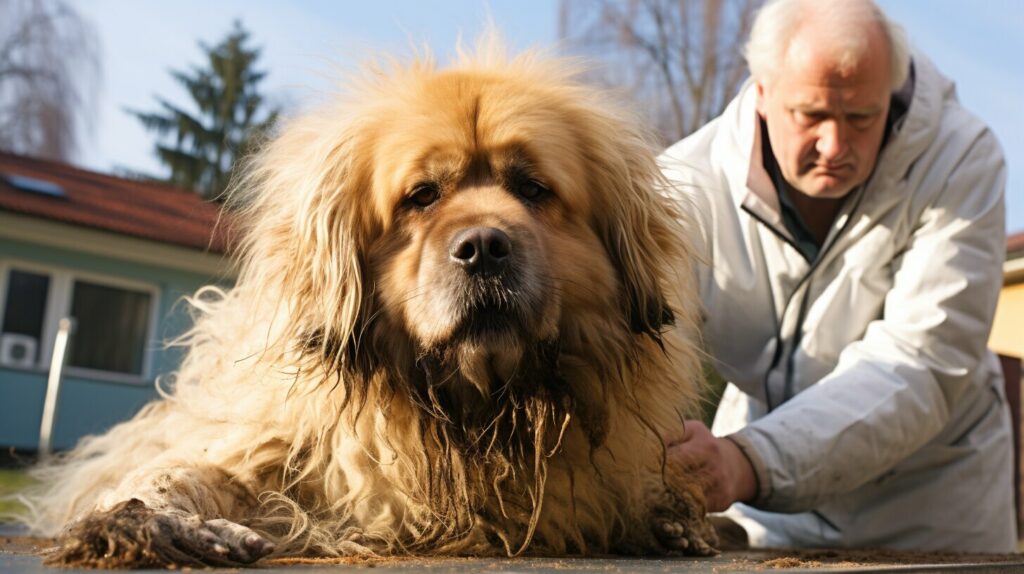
(34, 185)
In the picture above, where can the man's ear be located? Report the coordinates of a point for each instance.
(762, 95)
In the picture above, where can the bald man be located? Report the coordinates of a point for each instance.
(851, 217)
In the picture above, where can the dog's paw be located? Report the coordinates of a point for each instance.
(676, 536)
(679, 524)
(215, 542)
(132, 535)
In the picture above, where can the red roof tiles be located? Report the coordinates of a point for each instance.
(1015, 242)
(143, 209)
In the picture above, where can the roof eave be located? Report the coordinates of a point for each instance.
(114, 245)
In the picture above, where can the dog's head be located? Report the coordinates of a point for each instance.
(482, 219)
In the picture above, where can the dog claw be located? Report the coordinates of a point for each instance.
(240, 543)
(257, 545)
(672, 529)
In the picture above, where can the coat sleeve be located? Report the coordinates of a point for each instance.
(894, 389)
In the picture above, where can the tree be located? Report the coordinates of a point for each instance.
(681, 58)
(201, 147)
(49, 74)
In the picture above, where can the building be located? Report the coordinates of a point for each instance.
(1007, 339)
(1008, 329)
(115, 254)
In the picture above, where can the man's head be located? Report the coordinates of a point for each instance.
(824, 73)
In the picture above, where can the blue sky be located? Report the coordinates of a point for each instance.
(977, 44)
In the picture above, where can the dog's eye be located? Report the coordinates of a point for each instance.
(424, 195)
(533, 190)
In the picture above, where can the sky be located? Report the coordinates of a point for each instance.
(977, 44)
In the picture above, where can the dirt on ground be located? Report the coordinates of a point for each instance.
(739, 560)
(23, 544)
(843, 559)
(761, 560)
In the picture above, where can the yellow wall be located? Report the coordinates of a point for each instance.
(1008, 329)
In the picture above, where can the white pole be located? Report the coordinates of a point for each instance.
(60, 347)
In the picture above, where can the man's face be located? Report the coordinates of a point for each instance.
(826, 120)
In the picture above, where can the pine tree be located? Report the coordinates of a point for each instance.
(201, 148)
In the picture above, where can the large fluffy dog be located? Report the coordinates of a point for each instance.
(463, 322)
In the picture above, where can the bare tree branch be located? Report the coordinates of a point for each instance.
(681, 59)
(49, 74)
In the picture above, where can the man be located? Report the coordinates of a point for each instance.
(851, 214)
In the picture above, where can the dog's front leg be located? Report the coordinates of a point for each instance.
(164, 517)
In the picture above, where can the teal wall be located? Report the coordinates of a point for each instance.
(89, 406)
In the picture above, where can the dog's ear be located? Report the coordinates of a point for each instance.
(306, 236)
(643, 300)
(639, 227)
(638, 242)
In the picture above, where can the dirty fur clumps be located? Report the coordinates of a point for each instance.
(132, 535)
(122, 537)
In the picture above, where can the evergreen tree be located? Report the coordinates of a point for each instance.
(201, 148)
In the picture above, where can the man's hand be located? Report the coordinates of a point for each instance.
(720, 465)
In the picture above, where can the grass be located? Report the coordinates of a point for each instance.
(11, 481)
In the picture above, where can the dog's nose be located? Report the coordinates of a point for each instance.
(481, 250)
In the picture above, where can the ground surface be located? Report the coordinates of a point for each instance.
(20, 554)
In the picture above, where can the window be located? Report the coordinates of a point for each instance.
(114, 321)
(25, 312)
(110, 328)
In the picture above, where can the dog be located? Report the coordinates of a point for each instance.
(463, 321)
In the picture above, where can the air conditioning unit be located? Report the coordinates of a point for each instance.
(18, 350)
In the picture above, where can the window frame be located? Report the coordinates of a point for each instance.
(58, 304)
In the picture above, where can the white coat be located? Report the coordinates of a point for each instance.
(860, 387)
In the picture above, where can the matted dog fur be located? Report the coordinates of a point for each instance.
(463, 321)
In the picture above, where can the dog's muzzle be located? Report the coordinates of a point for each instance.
(488, 277)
